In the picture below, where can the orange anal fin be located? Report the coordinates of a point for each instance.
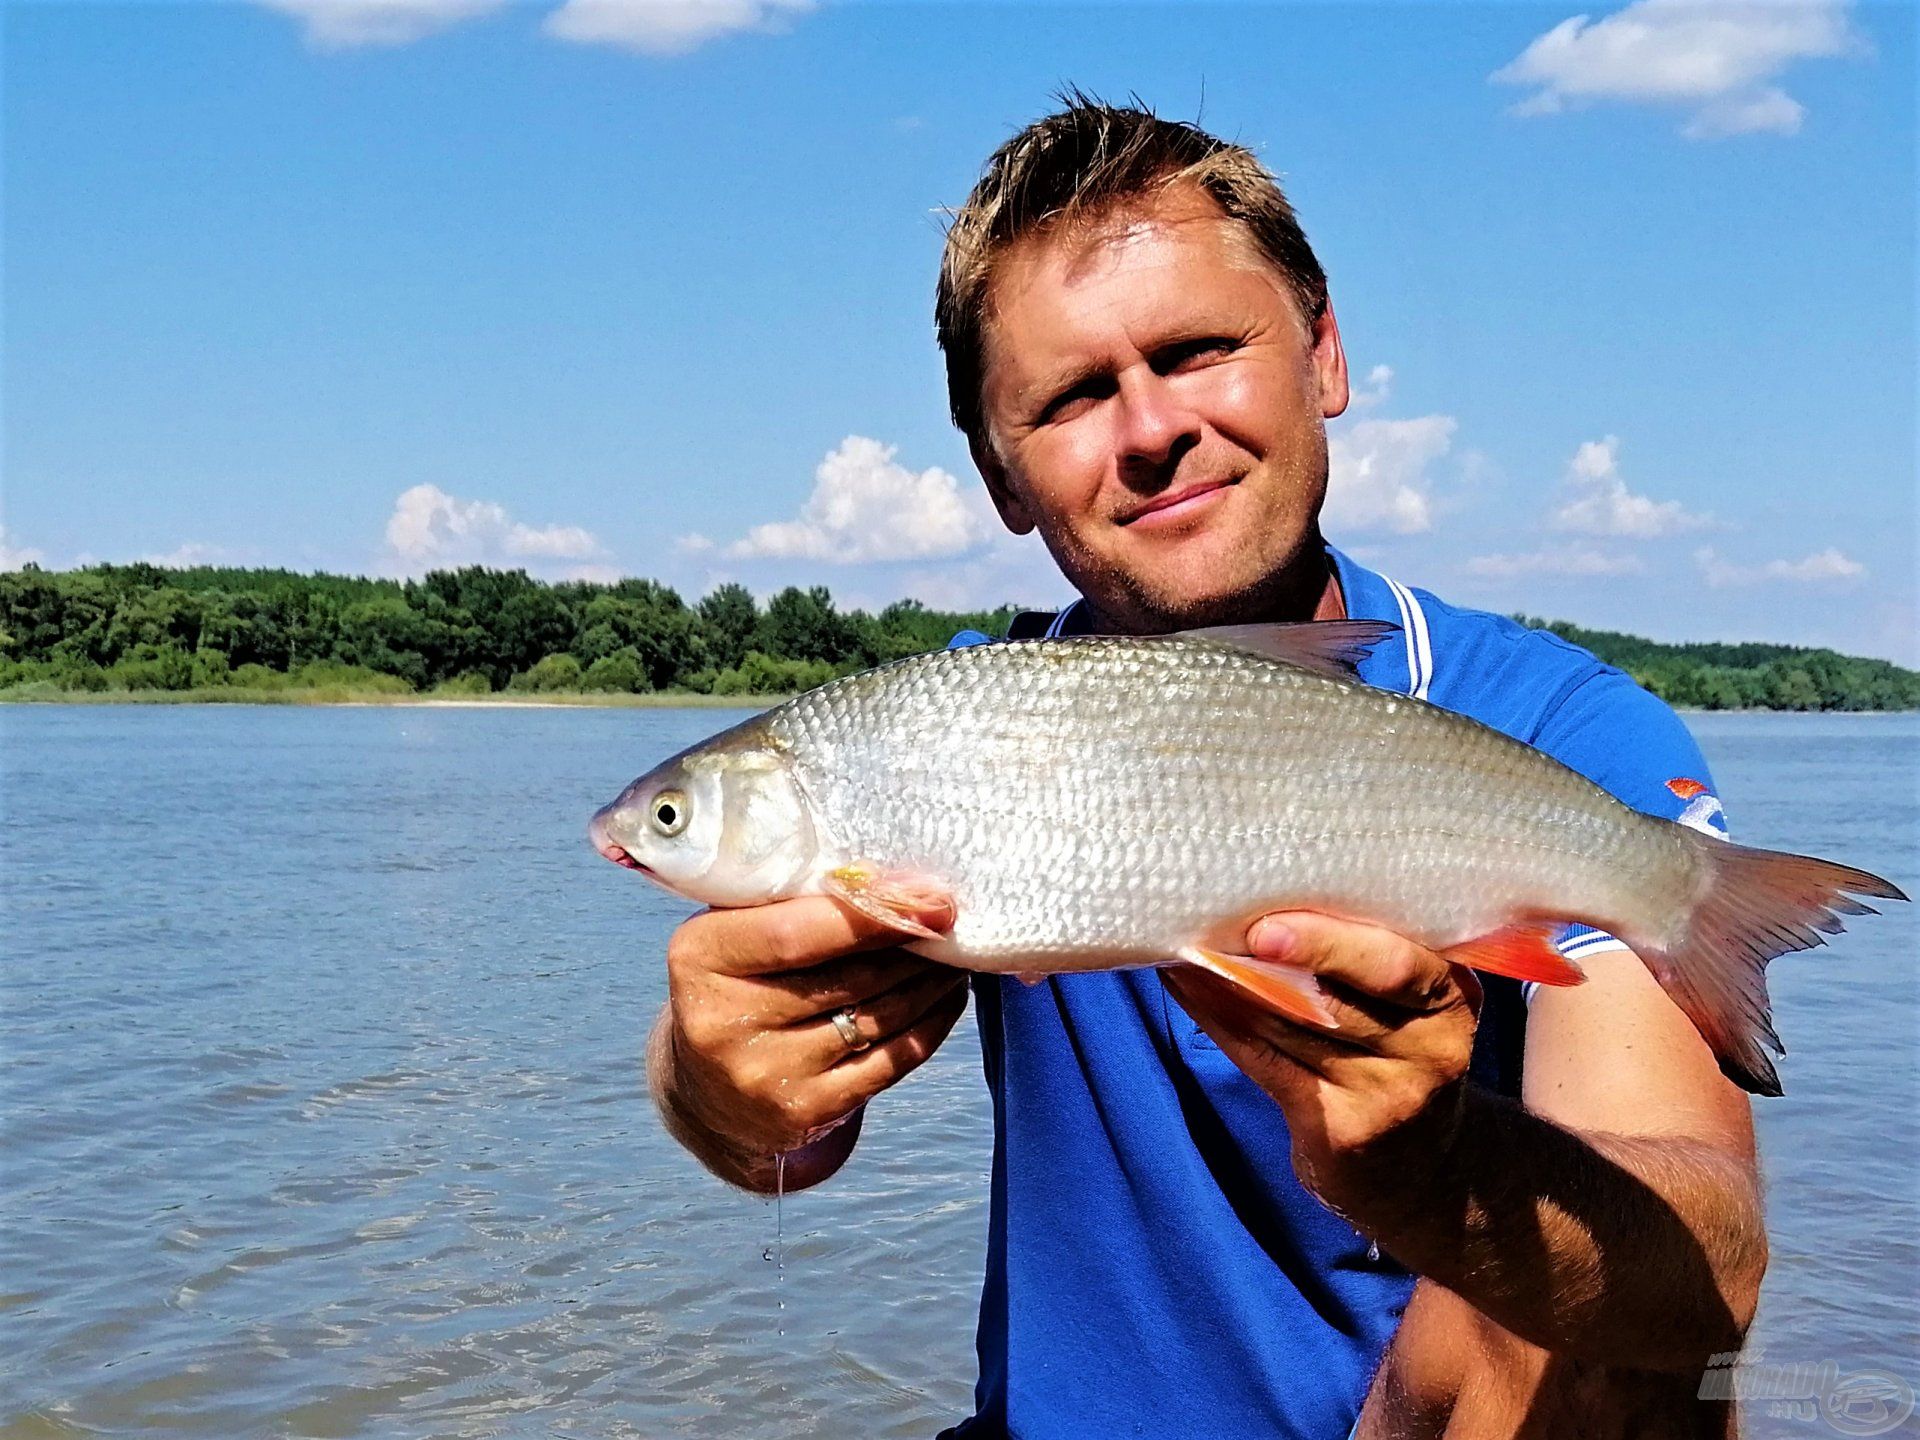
(1524, 952)
(894, 898)
(1286, 990)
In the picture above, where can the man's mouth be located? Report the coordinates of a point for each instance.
(1175, 504)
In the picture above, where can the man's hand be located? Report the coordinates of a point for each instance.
(747, 1062)
(1376, 1104)
(1614, 1218)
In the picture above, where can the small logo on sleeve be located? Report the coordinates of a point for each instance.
(1703, 810)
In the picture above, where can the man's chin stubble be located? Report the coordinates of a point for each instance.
(1290, 592)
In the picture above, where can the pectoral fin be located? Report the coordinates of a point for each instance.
(894, 898)
(1288, 990)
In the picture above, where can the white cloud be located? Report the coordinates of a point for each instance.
(1010, 570)
(1771, 109)
(185, 557)
(866, 507)
(1378, 386)
(1599, 502)
(12, 557)
(598, 574)
(344, 24)
(430, 528)
(665, 27)
(1819, 567)
(1717, 58)
(1549, 561)
(1377, 473)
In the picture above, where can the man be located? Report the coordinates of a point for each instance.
(1206, 1220)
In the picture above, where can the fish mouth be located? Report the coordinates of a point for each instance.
(598, 837)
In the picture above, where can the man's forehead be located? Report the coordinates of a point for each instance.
(1042, 288)
(1074, 249)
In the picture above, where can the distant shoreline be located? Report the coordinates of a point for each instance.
(211, 634)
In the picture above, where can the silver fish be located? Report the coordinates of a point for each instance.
(1108, 802)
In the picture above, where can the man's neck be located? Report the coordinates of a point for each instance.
(1311, 592)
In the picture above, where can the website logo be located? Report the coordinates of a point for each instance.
(1860, 1402)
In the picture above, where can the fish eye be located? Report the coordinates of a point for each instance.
(669, 812)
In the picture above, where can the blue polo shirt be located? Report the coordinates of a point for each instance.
(1153, 1266)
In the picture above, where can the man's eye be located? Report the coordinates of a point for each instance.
(1071, 402)
(1188, 352)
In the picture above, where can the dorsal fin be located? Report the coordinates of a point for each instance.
(1326, 647)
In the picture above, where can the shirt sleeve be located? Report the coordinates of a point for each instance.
(1631, 744)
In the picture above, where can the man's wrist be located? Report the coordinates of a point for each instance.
(1407, 1190)
(821, 1153)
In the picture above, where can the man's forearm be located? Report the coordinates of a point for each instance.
(725, 1156)
(1451, 1372)
(1644, 1252)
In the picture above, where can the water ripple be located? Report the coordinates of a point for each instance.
(341, 1130)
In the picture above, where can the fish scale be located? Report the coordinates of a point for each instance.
(1101, 802)
(1069, 824)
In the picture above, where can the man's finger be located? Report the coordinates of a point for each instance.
(1374, 963)
(795, 997)
(868, 1072)
(786, 935)
(878, 1018)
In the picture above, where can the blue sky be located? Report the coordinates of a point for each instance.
(598, 287)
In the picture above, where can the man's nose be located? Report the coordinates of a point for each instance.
(1156, 428)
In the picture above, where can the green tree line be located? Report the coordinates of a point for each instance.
(469, 631)
(1749, 676)
(476, 631)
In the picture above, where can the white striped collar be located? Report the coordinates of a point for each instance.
(1413, 624)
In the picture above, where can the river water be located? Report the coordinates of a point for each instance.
(321, 1111)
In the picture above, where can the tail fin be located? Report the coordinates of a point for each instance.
(1758, 904)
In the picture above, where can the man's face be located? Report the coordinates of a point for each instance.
(1155, 408)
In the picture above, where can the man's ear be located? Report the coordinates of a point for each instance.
(1330, 363)
(1013, 510)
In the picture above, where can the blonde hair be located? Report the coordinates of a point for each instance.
(1083, 162)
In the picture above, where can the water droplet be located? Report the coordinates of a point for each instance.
(780, 1242)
